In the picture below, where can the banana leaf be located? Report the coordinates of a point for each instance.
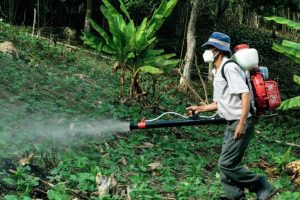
(291, 52)
(110, 8)
(130, 33)
(96, 43)
(150, 70)
(291, 44)
(284, 21)
(124, 9)
(293, 103)
(160, 14)
(141, 29)
(103, 34)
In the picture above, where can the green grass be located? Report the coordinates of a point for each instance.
(55, 80)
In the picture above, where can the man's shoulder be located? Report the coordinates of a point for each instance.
(231, 65)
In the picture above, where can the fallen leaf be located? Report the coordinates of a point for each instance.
(154, 166)
(266, 166)
(104, 184)
(146, 145)
(128, 193)
(81, 76)
(294, 168)
(123, 161)
(27, 160)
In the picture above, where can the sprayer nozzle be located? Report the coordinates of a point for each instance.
(132, 126)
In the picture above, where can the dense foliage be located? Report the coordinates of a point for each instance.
(292, 51)
(132, 47)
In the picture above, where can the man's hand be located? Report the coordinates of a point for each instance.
(239, 131)
(196, 109)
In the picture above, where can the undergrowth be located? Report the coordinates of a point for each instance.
(52, 79)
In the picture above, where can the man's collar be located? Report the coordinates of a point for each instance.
(225, 58)
(223, 61)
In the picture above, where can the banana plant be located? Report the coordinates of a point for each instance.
(292, 51)
(287, 48)
(280, 20)
(131, 46)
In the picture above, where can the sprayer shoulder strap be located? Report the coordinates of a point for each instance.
(223, 68)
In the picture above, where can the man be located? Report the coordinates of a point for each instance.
(232, 100)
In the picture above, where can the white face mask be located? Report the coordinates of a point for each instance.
(208, 56)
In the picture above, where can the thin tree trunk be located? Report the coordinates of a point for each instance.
(38, 14)
(122, 81)
(34, 22)
(241, 10)
(191, 44)
(11, 5)
(88, 15)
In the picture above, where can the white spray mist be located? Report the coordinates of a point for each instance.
(20, 131)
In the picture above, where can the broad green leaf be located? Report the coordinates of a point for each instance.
(159, 58)
(163, 63)
(9, 181)
(96, 43)
(293, 103)
(110, 8)
(290, 52)
(297, 79)
(11, 197)
(150, 69)
(154, 52)
(291, 44)
(284, 21)
(103, 34)
(141, 35)
(160, 14)
(124, 9)
(115, 20)
(130, 33)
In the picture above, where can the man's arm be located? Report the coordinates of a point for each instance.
(205, 108)
(241, 127)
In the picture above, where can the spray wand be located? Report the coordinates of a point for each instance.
(182, 121)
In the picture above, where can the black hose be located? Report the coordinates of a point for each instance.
(177, 122)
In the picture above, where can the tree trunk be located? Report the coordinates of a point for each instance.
(122, 81)
(241, 16)
(135, 88)
(88, 15)
(191, 44)
(11, 12)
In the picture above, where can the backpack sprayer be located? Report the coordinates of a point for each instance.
(264, 92)
(182, 121)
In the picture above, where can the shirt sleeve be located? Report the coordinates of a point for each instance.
(214, 75)
(236, 79)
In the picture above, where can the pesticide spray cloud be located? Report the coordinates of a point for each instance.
(20, 131)
(62, 127)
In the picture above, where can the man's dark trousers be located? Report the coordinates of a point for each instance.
(235, 177)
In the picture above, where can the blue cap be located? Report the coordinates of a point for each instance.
(219, 40)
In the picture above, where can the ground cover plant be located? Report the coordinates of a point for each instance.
(175, 163)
